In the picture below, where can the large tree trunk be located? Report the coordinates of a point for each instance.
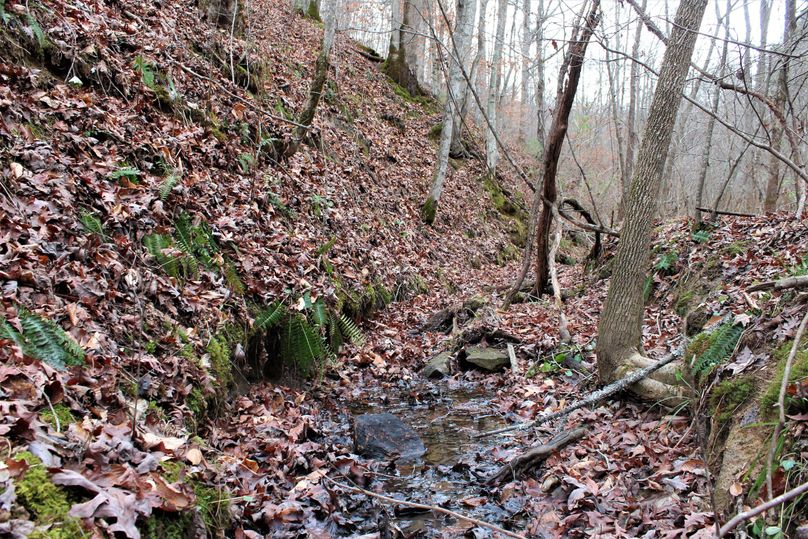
(495, 79)
(396, 66)
(631, 120)
(620, 332)
(555, 140)
(459, 40)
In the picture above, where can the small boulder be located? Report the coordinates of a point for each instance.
(382, 436)
(487, 359)
(439, 366)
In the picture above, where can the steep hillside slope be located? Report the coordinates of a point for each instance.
(146, 222)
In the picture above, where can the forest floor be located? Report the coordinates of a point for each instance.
(144, 218)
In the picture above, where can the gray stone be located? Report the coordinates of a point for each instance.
(382, 436)
(439, 366)
(487, 359)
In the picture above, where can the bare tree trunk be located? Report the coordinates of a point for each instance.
(396, 66)
(708, 144)
(318, 83)
(620, 332)
(558, 130)
(459, 40)
(621, 159)
(495, 79)
(457, 149)
(525, 50)
(631, 128)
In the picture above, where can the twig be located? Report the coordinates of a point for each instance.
(535, 455)
(781, 403)
(512, 358)
(434, 508)
(597, 396)
(746, 515)
(782, 284)
(53, 411)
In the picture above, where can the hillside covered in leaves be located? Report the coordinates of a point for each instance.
(188, 317)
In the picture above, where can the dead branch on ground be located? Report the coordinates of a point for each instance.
(782, 284)
(535, 456)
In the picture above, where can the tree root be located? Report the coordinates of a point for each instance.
(535, 456)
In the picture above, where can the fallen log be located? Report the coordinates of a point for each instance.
(722, 212)
(632, 378)
(781, 284)
(535, 456)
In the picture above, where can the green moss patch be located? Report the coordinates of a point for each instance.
(47, 503)
(799, 370)
(59, 417)
(510, 210)
(729, 396)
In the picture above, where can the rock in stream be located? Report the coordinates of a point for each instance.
(487, 359)
(383, 436)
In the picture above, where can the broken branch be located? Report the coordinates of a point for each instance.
(782, 284)
(599, 395)
(535, 456)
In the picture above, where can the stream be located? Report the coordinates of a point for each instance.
(451, 474)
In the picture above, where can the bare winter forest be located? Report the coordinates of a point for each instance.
(403, 268)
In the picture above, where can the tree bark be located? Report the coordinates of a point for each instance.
(620, 331)
(708, 145)
(318, 83)
(495, 79)
(397, 66)
(631, 120)
(459, 40)
(555, 140)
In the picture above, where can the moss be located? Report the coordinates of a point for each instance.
(164, 525)
(47, 503)
(402, 92)
(220, 361)
(435, 131)
(428, 210)
(683, 301)
(799, 370)
(509, 210)
(737, 247)
(698, 345)
(313, 12)
(172, 470)
(60, 412)
(730, 395)
(214, 507)
(197, 402)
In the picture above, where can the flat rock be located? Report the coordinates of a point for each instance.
(439, 366)
(382, 436)
(487, 359)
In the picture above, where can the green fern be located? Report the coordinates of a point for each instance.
(91, 223)
(232, 278)
(301, 344)
(270, 316)
(168, 185)
(36, 29)
(319, 313)
(335, 337)
(350, 331)
(155, 244)
(44, 340)
(722, 344)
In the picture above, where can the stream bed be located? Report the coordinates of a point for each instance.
(452, 472)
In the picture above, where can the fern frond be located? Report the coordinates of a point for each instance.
(91, 223)
(319, 313)
(232, 278)
(722, 344)
(335, 340)
(270, 316)
(300, 344)
(155, 243)
(46, 341)
(7, 332)
(350, 331)
(168, 185)
(183, 233)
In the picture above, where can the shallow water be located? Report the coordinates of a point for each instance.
(455, 464)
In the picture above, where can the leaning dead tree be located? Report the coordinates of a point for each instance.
(620, 331)
(318, 83)
(571, 70)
